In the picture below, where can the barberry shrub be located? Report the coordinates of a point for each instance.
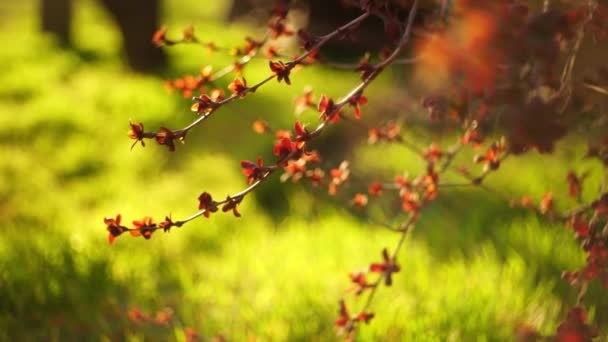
(497, 79)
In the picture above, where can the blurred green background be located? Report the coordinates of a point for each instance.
(473, 269)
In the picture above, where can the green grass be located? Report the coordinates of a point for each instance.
(472, 269)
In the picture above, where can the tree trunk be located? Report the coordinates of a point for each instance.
(56, 18)
(138, 20)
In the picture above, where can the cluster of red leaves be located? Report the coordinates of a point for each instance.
(389, 133)
(347, 323)
(356, 101)
(575, 328)
(338, 176)
(208, 206)
(207, 103)
(304, 102)
(492, 156)
(189, 84)
(281, 70)
(592, 234)
(328, 109)
(144, 227)
(254, 172)
(238, 87)
(161, 319)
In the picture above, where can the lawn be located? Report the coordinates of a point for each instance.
(473, 269)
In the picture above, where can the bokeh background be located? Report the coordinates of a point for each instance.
(473, 269)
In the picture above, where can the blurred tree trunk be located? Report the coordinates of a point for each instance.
(56, 18)
(138, 20)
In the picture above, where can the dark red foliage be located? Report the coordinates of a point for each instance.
(144, 227)
(365, 67)
(254, 171)
(278, 29)
(308, 41)
(535, 126)
(282, 70)
(114, 227)
(575, 328)
(204, 104)
(206, 203)
(136, 133)
(166, 137)
(356, 101)
(167, 224)
(328, 109)
(238, 87)
(284, 147)
(160, 37)
(387, 267)
(232, 204)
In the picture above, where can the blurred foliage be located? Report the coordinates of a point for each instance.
(473, 269)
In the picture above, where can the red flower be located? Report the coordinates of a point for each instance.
(252, 171)
(137, 316)
(295, 169)
(365, 67)
(284, 148)
(575, 184)
(167, 224)
(188, 34)
(409, 201)
(403, 182)
(328, 109)
(278, 29)
(271, 52)
(344, 318)
(575, 328)
(388, 133)
(282, 71)
(360, 200)
(166, 137)
(114, 228)
(308, 41)
(136, 133)
(203, 104)
(260, 126)
(191, 334)
(375, 189)
(305, 101)
(206, 203)
(316, 176)
(338, 176)
(145, 227)
(433, 153)
(580, 226)
(472, 137)
(491, 158)
(601, 206)
(302, 134)
(546, 204)
(365, 317)
(355, 101)
(252, 45)
(280, 10)
(231, 204)
(160, 37)
(238, 87)
(431, 179)
(283, 133)
(387, 267)
(360, 281)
